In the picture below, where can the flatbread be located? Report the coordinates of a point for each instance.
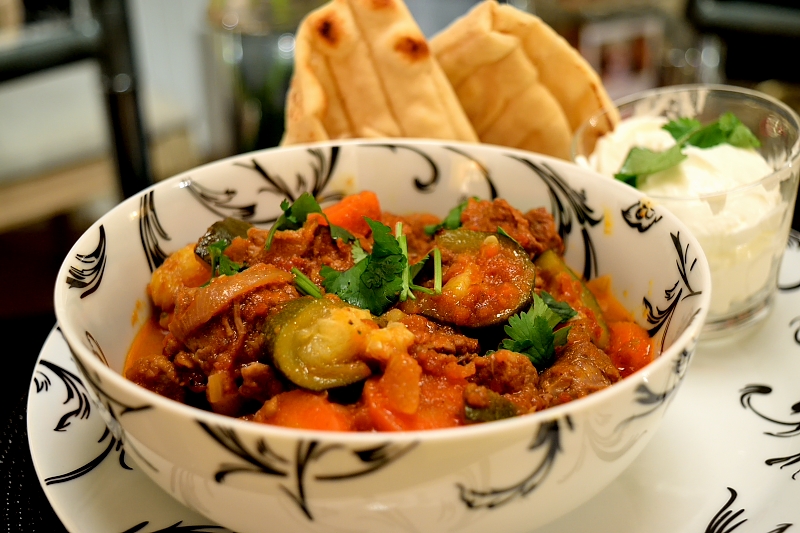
(363, 68)
(521, 84)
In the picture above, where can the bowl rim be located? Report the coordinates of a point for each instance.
(776, 175)
(689, 337)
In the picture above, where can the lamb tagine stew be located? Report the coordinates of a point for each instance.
(355, 319)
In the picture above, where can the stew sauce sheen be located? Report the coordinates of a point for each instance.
(251, 345)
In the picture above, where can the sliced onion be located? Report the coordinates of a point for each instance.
(219, 295)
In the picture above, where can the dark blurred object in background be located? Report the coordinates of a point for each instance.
(761, 37)
(39, 10)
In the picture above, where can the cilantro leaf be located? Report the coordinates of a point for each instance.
(642, 162)
(531, 332)
(295, 215)
(221, 264)
(451, 221)
(738, 134)
(374, 282)
(562, 309)
(682, 128)
(708, 136)
(358, 252)
(379, 279)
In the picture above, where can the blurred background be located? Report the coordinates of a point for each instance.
(100, 98)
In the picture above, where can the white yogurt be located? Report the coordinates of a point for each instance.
(739, 231)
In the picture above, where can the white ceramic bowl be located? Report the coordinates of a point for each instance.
(512, 475)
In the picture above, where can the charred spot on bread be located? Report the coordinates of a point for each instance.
(328, 28)
(412, 47)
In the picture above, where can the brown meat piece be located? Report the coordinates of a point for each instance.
(431, 335)
(157, 373)
(581, 368)
(505, 372)
(308, 249)
(513, 376)
(260, 382)
(544, 227)
(531, 231)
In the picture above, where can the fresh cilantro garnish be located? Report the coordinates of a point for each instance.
(379, 279)
(728, 129)
(375, 281)
(531, 332)
(562, 309)
(411, 271)
(643, 161)
(451, 221)
(295, 215)
(221, 264)
(304, 284)
(682, 127)
(358, 252)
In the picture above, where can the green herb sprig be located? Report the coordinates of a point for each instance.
(295, 215)
(642, 162)
(381, 278)
(304, 284)
(221, 264)
(451, 221)
(532, 333)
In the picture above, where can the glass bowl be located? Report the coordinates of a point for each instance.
(741, 224)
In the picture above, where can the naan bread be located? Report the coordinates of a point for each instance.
(521, 84)
(363, 68)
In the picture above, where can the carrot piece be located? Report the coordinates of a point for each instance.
(303, 409)
(350, 212)
(630, 348)
(441, 406)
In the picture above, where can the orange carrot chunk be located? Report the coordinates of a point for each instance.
(307, 410)
(350, 212)
(630, 348)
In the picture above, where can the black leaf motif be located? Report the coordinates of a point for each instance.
(89, 277)
(661, 318)
(795, 323)
(792, 428)
(645, 396)
(432, 180)
(220, 202)
(150, 230)
(725, 520)
(266, 461)
(106, 400)
(113, 445)
(548, 436)
(177, 527)
(75, 390)
(567, 203)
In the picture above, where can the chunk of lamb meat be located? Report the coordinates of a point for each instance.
(581, 368)
(511, 375)
(535, 231)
